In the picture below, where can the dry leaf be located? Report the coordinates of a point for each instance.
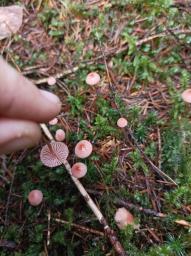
(11, 18)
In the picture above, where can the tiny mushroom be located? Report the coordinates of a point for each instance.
(79, 170)
(60, 135)
(122, 122)
(35, 197)
(51, 80)
(123, 218)
(53, 121)
(92, 78)
(186, 95)
(54, 154)
(83, 149)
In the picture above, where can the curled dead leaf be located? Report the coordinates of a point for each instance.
(11, 18)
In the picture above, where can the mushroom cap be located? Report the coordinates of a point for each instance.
(54, 154)
(60, 135)
(35, 197)
(186, 95)
(123, 218)
(122, 122)
(92, 78)
(79, 170)
(51, 80)
(53, 121)
(83, 149)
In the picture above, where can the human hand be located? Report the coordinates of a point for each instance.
(22, 107)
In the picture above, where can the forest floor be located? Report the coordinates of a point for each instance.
(141, 50)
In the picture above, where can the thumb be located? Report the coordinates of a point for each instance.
(17, 134)
(19, 98)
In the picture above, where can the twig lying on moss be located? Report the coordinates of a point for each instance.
(129, 205)
(152, 165)
(108, 231)
(80, 227)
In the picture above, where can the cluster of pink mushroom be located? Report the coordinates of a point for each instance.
(83, 149)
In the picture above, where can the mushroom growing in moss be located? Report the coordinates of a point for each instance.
(186, 95)
(92, 78)
(123, 218)
(54, 154)
(51, 80)
(83, 149)
(60, 135)
(122, 122)
(53, 121)
(79, 170)
(35, 197)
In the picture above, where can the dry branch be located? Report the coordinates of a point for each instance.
(80, 227)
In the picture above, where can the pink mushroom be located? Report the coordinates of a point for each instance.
(35, 197)
(123, 218)
(122, 122)
(79, 170)
(83, 149)
(92, 78)
(186, 95)
(54, 154)
(51, 80)
(60, 135)
(53, 121)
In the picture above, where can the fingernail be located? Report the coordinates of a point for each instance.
(50, 96)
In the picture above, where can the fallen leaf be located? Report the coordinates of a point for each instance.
(11, 18)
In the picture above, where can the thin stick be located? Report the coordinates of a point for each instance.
(108, 231)
(127, 205)
(152, 165)
(48, 231)
(47, 132)
(80, 227)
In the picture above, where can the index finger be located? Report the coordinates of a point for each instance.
(20, 98)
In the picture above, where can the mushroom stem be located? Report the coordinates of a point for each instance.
(46, 132)
(108, 231)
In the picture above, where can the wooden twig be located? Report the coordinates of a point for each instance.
(48, 229)
(152, 165)
(80, 227)
(129, 205)
(108, 231)
(7, 244)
